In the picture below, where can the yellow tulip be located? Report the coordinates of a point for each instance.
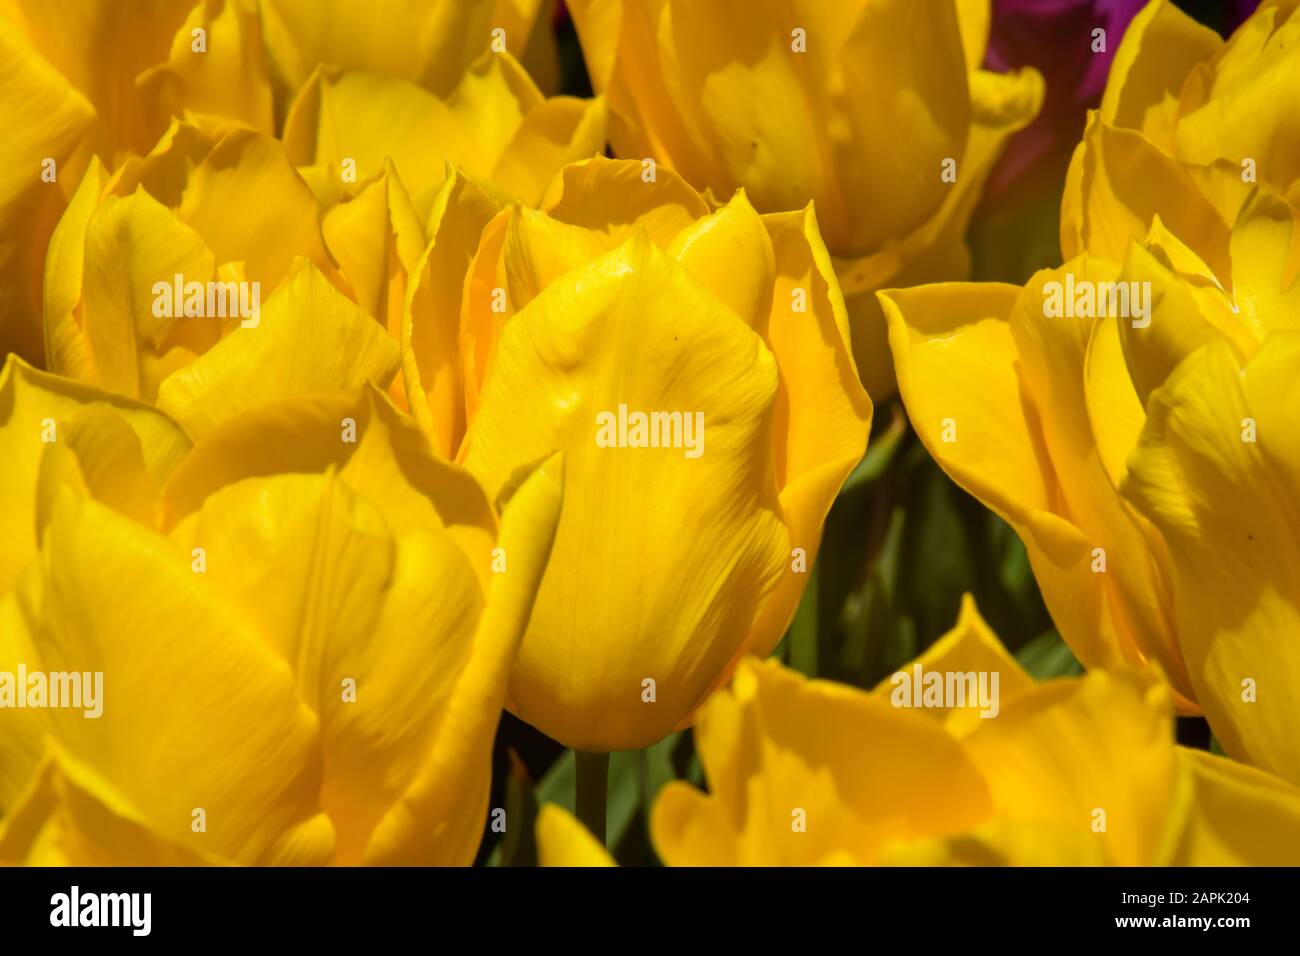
(46, 424)
(1079, 771)
(229, 208)
(344, 125)
(1188, 125)
(427, 42)
(280, 682)
(677, 552)
(878, 111)
(1140, 444)
(563, 841)
(191, 78)
(198, 217)
(103, 78)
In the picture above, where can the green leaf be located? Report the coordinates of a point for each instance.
(879, 633)
(1047, 656)
(880, 452)
(937, 563)
(556, 786)
(802, 652)
(695, 770)
(625, 795)
(655, 768)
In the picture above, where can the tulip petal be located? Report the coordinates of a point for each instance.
(134, 248)
(975, 19)
(482, 314)
(492, 99)
(1059, 753)
(390, 463)
(1240, 815)
(904, 71)
(377, 239)
(339, 599)
(277, 218)
(614, 197)
(165, 170)
(1001, 105)
(37, 409)
(756, 109)
(822, 415)
(538, 250)
(646, 121)
(730, 252)
(1126, 182)
(309, 338)
(430, 43)
(978, 404)
(1250, 103)
(1177, 328)
(68, 819)
(1265, 261)
(67, 351)
(1114, 406)
(22, 745)
(1053, 353)
(227, 79)
(957, 362)
(563, 841)
(371, 119)
(433, 366)
(633, 329)
(45, 120)
(1217, 473)
(971, 646)
(98, 454)
(1003, 842)
(561, 130)
(1161, 46)
(237, 743)
(441, 815)
(76, 42)
(861, 772)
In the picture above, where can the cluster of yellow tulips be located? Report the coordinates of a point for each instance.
(351, 390)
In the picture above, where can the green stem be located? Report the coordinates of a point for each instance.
(591, 788)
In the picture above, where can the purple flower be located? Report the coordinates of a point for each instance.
(1236, 13)
(1015, 230)
(1055, 37)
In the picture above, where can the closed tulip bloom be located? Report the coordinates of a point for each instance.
(877, 111)
(1075, 771)
(694, 367)
(281, 684)
(1126, 411)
